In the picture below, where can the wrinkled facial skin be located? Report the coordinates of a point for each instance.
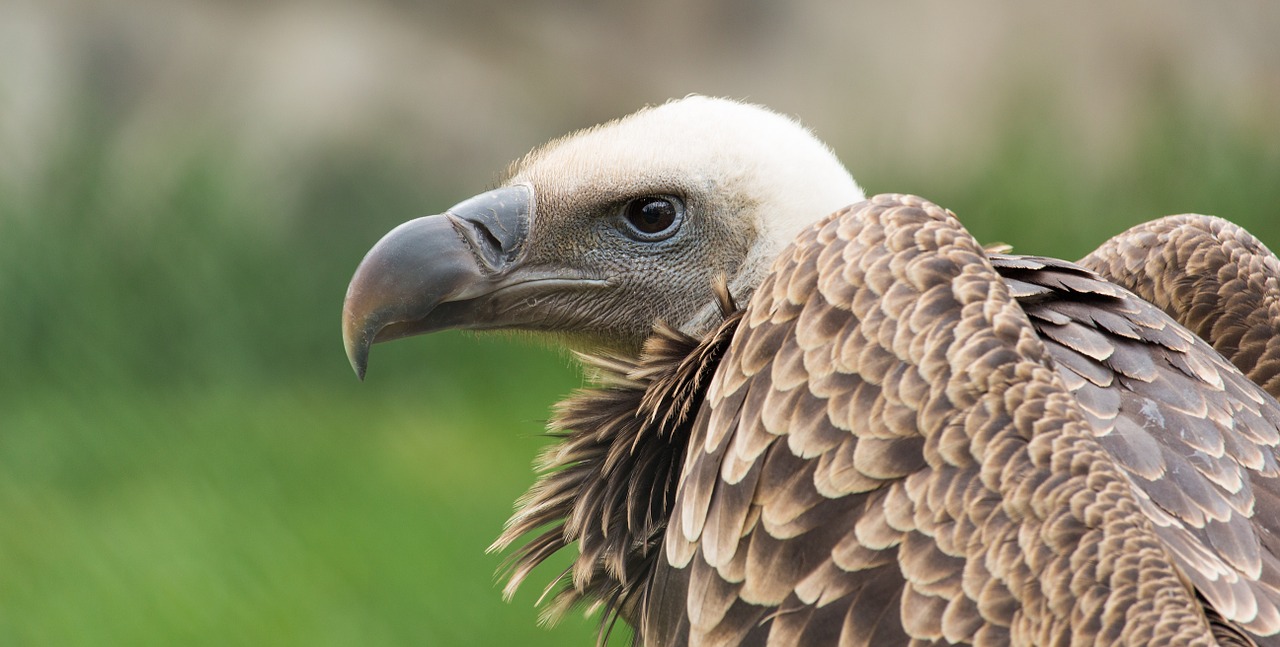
(668, 279)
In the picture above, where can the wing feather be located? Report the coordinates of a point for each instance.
(1211, 276)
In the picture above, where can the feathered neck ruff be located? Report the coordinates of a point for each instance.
(610, 483)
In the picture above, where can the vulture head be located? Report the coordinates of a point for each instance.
(596, 236)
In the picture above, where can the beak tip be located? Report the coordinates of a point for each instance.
(359, 359)
(357, 345)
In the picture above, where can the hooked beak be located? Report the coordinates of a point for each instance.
(459, 256)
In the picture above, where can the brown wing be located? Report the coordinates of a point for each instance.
(1196, 438)
(887, 455)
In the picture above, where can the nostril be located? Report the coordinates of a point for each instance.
(494, 224)
(483, 243)
(489, 237)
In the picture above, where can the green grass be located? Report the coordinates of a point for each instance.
(306, 513)
(186, 459)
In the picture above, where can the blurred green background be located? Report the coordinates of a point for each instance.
(186, 186)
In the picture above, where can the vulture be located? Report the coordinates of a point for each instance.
(820, 419)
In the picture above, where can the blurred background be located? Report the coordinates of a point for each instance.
(186, 186)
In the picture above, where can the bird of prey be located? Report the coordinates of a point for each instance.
(819, 419)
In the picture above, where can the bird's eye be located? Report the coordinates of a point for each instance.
(654, 217)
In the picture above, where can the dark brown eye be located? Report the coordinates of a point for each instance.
(654, 217)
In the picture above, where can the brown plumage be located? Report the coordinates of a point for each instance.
(903, 439)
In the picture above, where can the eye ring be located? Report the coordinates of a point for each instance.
(652, 218)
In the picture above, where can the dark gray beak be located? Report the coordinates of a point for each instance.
(465, 253)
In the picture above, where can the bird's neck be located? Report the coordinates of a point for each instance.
(610, 483)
